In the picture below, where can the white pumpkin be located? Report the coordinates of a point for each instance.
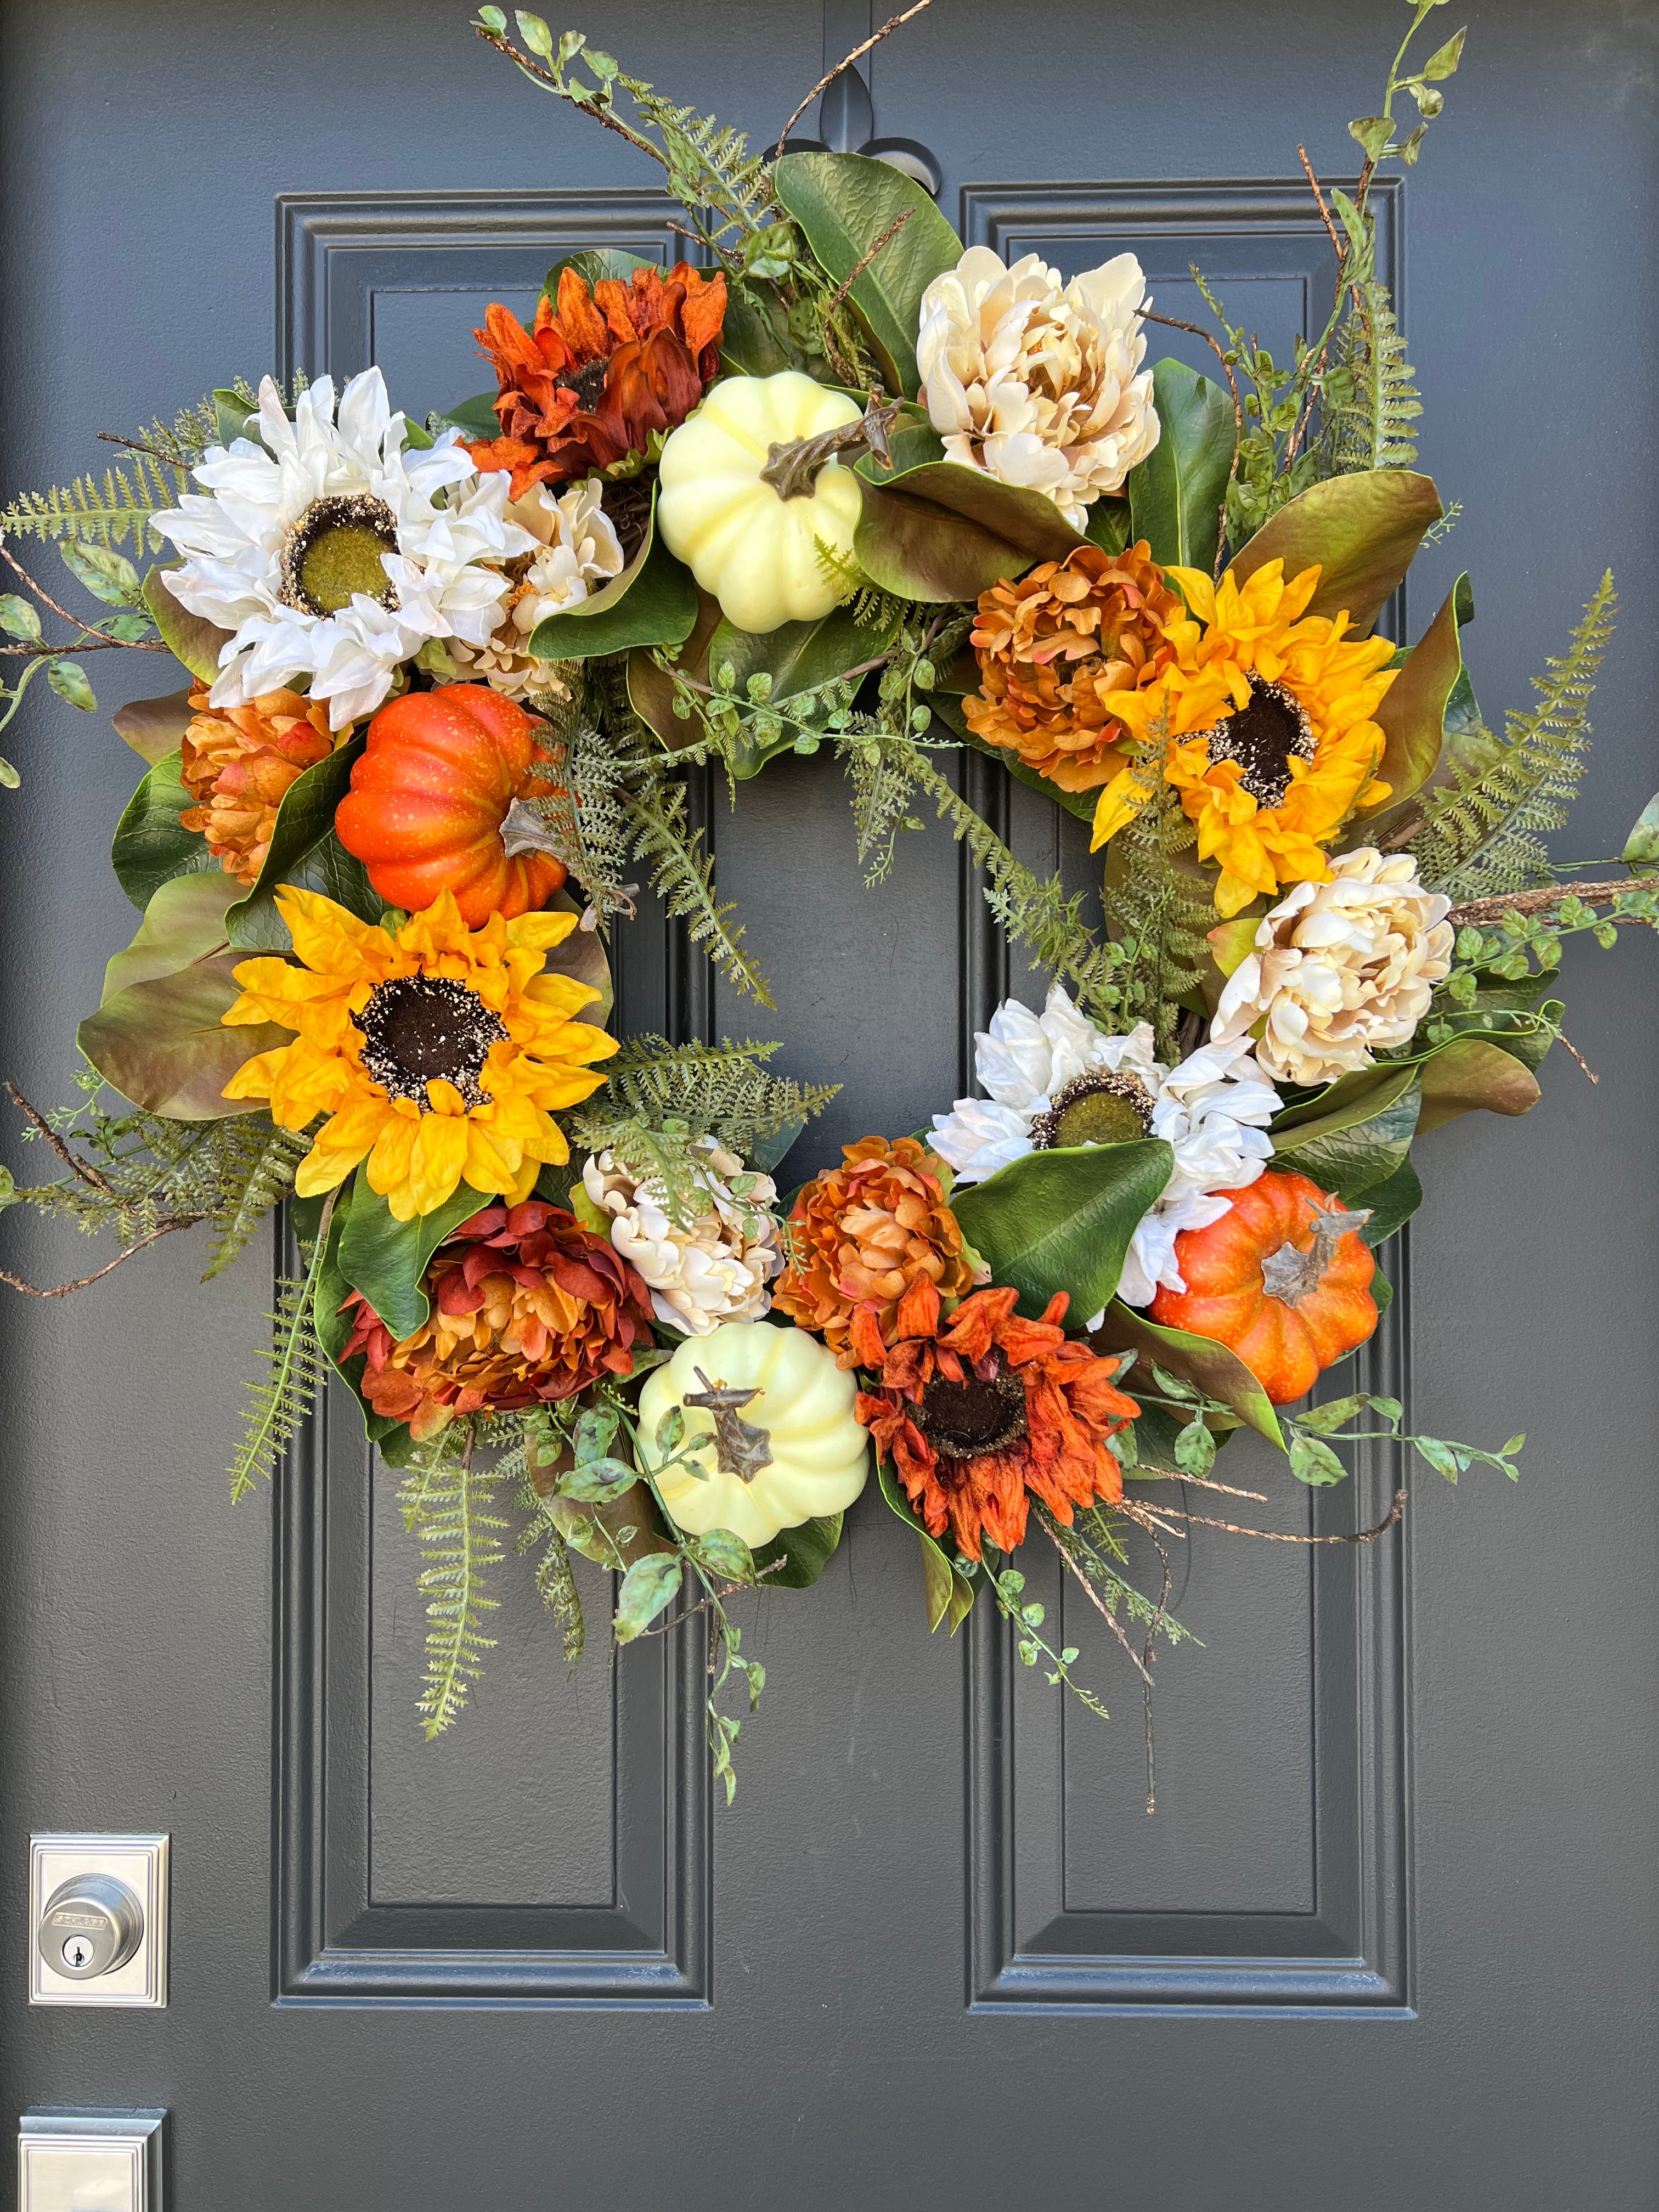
(756, 552)
(782, 1448)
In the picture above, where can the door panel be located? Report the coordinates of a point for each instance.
(937, 1954)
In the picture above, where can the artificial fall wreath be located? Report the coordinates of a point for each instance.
(837, 484)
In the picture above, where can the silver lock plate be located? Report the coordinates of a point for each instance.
(89, 2162)
(82, 1880)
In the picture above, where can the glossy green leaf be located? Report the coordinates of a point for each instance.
(755, 340)
(154, 728)
(594, 264)
(304, 818)
(1212, 1367)
(946, 1595)
(1472, 1071)
(1176, 494)
(183, 923)
(475, 418)
(190, 639)
(237, 417)
(844, 204)
(386, 1259)
(651, 689)
(650, 1584)
(1352, 1160)
(806, 1551)
(150, 844)
(1062, 1220)
(1352, 1098)
(917, 550)
(161, 1044)
(256, 924)
(1110, 524)
(1363, 529)
(1641, 846)
(652, 602)
(1392, 1205)
(1412, 715)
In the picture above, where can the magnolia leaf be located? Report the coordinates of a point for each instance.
(594, 264)
(1061, 1220)
(154, 728)
(847, 203)
(196, 643)
(1352, 1098)
(1391, 1205)
(386, 1260)
(1412, 715)
(797, 657)
(150, 844)
(946, 1595)
(305, 816)
(651, 689)
(755, 340)
(1641, 846)
(1352, 1160)
(185, 921)
(1362, 530)
(806, 1551)
(1110, 524)
(652, 602)
(1176, 494)
(256, 925)
(649, 1585)
(161, 1044)
(1472, 1071)
(333, 1324)
(475, 418)
(1197, 1360)
(917, 550)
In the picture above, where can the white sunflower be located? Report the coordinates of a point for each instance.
(332, 550)
(1054, 1078)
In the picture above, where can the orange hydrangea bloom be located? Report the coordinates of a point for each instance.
(596, 375)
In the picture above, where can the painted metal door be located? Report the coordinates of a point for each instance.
(1389, 1939)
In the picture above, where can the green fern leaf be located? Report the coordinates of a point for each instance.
(281, 1399)
(1373, 427)
(461, 1543)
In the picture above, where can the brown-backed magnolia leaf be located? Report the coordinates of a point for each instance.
(161, 1043)
(1469, 1073)
(183, 921)
(917, 550)
(1197, 1360)
(1363, 531)
(154, 728)
(651, 689)
(190, 639)
(582, 957)
(1412, 715)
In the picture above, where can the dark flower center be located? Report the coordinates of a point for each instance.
(587, 382)
(1096, 1108)
(965, 1419)
(333, 551)
(425, 1028)
(1264, 737)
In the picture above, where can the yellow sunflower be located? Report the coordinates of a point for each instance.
(439, 1053)
(1267, 714)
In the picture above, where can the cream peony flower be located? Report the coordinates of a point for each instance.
(714, 1271)
(577, 552)
(1037, 383)
(1054, 1078)
(333, 550)
(1341, 971)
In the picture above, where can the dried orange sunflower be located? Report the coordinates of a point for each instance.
(439, 1055)
(1267, 714)
(592, 379)
(978, 1420)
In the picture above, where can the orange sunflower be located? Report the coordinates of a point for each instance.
(1267, 716)
(440, 1055)
(996, 1411)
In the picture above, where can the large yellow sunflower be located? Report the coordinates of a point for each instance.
(1267, 714)
(439, 1053)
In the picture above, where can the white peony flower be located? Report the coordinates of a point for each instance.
(714, 1271)
(1054, 1078)
(1039, 383)
(577, 551)
(333, 551)
(1341, 971)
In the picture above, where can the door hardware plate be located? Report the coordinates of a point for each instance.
(90, 2161)
(139, 1861)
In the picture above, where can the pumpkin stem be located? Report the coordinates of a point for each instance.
(794, 465)
(740, 1448)
(523, 830)
(1291, 1274)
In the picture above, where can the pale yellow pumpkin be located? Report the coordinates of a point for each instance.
(758, 552)
(791, 1452)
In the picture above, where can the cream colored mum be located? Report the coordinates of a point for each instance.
(1341, 970)
(577, 552)
(1037, 382)
(714, 1269)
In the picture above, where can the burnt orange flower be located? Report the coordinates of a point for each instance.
(595, 375)
(526, 1307)
(237, 761)
(863, 1236)
(994, 1411)
(1058, 647)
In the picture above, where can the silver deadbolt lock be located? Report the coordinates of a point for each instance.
(92, 1924)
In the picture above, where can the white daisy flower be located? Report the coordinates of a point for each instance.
(332, 552)
(1054, 1078)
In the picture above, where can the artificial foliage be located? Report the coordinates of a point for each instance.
(829, 485)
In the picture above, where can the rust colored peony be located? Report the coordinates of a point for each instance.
(994, 1411)
(1056, 648)
(867, 1235)
(237, 763)
(588, 384)
(526, 1307)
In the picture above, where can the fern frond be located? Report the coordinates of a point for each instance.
(711, 172)
(461, 1543)
(682, 875)
(110, 512)
(276, 1155)
(556, 1584)
(1483, 832)
(295, 1369)
(723, 1089)
(1372, 427)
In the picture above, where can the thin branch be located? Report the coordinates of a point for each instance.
(1324, 212)
(62, 1289)
(139, 445)
(1561, 1037)
(1174, 323)
(90, 629)
(845, 62)
(1199, 1481)
(853, 275)
(1551, 895)
(82, 1169)
(504, 46)
(1095, 1598)
(1144, 1516)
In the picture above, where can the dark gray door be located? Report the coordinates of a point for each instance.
(1389, 1940)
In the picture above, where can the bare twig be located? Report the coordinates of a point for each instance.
(845, 62)
(1551, 895)
(1174, 323)
(1143, 1515)
(62, 1289)
(82, 1169)
(504, 46)
(140, 446)
(1324, 212)
(90, 629)
(1563, 1038)
(1095, 1598)
(853, 275)
(1199, 1482)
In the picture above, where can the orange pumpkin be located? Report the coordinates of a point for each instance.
(1282, 1280)
(428, 798)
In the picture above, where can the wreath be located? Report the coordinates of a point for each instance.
(835, 484)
